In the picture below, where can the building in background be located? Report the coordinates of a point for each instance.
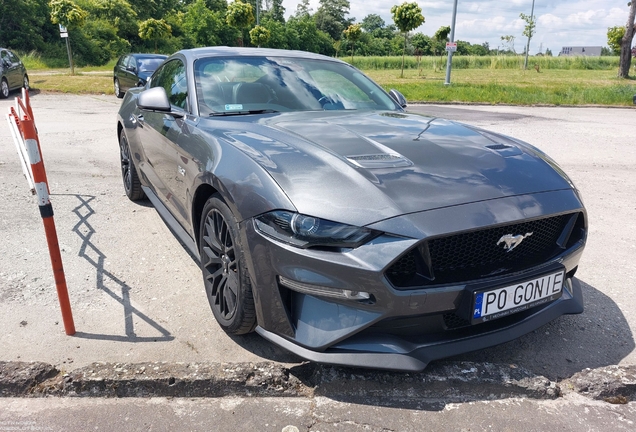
(593, 51)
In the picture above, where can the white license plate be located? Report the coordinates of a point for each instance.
(500, 302)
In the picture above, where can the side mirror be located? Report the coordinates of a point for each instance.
(131, 68)
(155, 99)
(398, 97)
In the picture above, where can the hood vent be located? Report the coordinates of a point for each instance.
(382, 160)
(498, 146)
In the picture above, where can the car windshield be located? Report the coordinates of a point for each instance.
(235, 85)
(148, 64)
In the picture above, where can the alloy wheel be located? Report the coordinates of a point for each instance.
(221, 265)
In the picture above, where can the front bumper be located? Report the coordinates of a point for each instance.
(394, 353)
(395, 328)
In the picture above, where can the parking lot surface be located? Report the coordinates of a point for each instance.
(137, 296)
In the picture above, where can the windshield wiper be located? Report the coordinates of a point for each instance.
(243, 112)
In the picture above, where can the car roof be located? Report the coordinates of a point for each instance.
(197, 53)
(146, 55)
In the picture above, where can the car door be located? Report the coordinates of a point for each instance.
(16, 69)
(131, 72)
(9, 69)
(161, 135)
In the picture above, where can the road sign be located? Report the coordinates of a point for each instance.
(451, 46)
(63, 31)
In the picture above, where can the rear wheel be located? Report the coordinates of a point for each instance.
(227, 283)
(25, 82)
(4, 89)
(132, 185)
(118, 91)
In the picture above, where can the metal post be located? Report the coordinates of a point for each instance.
(525, 63)
(70, 55)
(452, 39)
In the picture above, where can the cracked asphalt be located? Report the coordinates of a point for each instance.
(138, 302)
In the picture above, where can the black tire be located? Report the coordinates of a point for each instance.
(4, 89)
(132, 185)
(117, 89)
(25, 81)
(227, 284)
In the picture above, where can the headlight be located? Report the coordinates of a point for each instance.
(307, 231)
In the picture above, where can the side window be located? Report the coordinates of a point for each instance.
(131, 63)
(172, 77)
(5, 57)
(14, 58)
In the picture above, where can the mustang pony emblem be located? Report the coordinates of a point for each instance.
(510, 242)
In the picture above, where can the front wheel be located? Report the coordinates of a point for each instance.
(227, 284)
(25, 82)
(4, 89)
(132, 185)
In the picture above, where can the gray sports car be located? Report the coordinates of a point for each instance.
(337, 225)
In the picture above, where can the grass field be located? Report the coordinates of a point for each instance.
(488, 80)
(511, 86)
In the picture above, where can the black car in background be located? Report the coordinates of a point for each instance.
(132, 70)
(14, 74)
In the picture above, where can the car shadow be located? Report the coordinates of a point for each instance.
(109, 283)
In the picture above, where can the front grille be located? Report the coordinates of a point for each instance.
(476, 254)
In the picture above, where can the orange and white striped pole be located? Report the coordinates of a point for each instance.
(29, 134)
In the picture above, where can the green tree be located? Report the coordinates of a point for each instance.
(278, 33)
(25, 25)
(353, 33)
(276, 11)
(240, 16)
(441, 37)
(303, 9)
(407, 16)
(259, 35)
(67, 13)
(154, 29)
(372, 22)
(331, 17)
(201, 24)
(614, 37)
(422, 43)
(528, 31)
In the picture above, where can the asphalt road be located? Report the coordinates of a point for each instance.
(137, 295)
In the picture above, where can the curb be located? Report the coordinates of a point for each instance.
(448, 381)
(442, 381)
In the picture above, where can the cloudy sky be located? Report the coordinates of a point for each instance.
(559, 22)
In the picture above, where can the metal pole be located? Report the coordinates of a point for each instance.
(525, 63)
(452, 39)
(70, 56)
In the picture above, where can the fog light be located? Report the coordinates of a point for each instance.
(318, 290)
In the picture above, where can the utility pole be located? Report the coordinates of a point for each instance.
(452, 39)
(531, 24)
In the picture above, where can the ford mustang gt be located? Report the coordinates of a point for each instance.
(341, 227)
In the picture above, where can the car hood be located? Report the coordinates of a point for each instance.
(362, 167)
